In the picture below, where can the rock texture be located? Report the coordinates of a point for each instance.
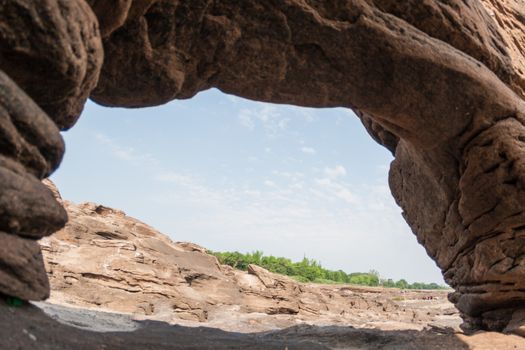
(52, 49)
(60, 328)
(30, 149)
(52, 53)
(439, 83)
(50, 58)
(105, 260)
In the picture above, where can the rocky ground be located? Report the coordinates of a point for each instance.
(106, 260)
(61, 328)
(441, 84)
(118, 283)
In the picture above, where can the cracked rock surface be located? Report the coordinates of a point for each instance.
(440, 83)
(113, 278)
(106, 260)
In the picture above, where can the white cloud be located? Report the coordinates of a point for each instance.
(268, 116)
(297, 186)
(269, 183)
(175, 178)
(308, 150)
(234, 99)
(336, 189)
(246, 118)
(308, 211)
(335, 172)
(127, 154)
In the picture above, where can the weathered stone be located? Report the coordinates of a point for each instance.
(104, 259)
(31, 148)
(112, 15)
(437, 82)
(54, 190)
(509, 17)
(27, 134)
(27, 207)
(22, 271)
(52, 49)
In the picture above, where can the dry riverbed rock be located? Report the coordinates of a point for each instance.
(439, 83)
(109, 267)
(106, 260)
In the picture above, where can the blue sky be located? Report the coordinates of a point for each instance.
(233, 174)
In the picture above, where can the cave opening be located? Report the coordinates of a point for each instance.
(232, 174)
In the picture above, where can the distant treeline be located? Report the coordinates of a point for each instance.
(309, 270)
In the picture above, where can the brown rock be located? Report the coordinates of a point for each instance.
(28, 135)
(112, 15)
(53, 51)
(103, 257)
(509, 17)
(31, 149)
(438, 83)
(28, 327)
(54, 190)
(22, 272)
(106, 260)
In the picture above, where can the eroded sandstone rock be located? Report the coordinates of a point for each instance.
(113, 14)
(31, 149)
(53, 51)
(22, 270)
(106, 260)
(440, 83)
(50, 58)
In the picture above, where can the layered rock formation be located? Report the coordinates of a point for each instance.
(106, 260)
(440, 83)
(50, 58)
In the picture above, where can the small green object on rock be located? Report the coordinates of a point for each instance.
(14, 301)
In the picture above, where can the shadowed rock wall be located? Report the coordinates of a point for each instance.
(439, 83)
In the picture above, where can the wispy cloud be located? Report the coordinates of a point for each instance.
(269, 183)
(308, 150)
(127, 154)
(335, 172)
(336, 189)
(268, 116)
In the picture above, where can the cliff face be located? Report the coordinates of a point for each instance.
(439, 83)
(106, 260)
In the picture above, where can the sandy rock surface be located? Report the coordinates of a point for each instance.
(106, 260)
(439, 83)
(115, 279)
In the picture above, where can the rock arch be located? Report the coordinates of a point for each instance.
(439, 83)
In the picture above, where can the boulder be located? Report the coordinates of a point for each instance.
(22, 273)
(52, 49)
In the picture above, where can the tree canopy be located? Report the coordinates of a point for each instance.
(310, 270)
